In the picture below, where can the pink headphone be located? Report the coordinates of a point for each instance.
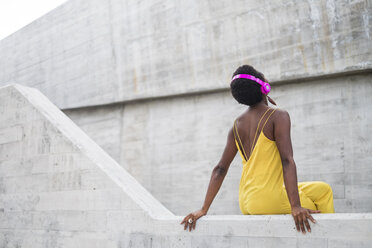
(265, 87)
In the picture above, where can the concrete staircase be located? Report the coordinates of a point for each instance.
(58, 188)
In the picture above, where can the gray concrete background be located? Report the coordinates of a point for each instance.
(132, 61)
(60, 189)
(171, 145)
(96, 52)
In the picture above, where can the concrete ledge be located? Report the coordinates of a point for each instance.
(353, 225)
(59, 189)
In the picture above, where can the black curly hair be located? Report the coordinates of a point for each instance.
(246, 91)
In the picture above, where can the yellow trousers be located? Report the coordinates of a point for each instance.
(316, 195)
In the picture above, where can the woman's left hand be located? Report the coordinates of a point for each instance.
(300, 216)
(193, 216)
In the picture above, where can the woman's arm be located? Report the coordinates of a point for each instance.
(220, 170)
(218, 175)
(282, 126)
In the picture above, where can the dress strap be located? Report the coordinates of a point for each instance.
(268, 118)
(255, 135)
(237, 138)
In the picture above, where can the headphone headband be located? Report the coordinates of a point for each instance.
(265, 87)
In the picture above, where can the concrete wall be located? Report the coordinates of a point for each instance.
(155, 75)
(177, 141)
(59, 189)
(96, 52)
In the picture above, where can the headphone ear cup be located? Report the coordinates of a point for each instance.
(265, 88)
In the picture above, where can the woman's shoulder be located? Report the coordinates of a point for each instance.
(281, 111)
(241, 117)
(280, 114)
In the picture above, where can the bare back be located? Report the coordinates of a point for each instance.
(251, 123)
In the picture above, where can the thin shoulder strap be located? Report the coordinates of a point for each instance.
(268, 118)
(237, 138)
(255, 135)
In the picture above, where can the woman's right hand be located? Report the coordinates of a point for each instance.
(300, 216)
(193, 216)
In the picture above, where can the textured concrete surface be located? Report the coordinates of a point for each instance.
(177, 141)
(97, 52)
(60, 189)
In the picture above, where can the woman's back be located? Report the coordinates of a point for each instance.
(261, 183)
(248, 126)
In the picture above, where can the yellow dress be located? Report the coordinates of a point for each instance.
(262, 189)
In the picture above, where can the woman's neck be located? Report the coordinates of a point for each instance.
(262, 103)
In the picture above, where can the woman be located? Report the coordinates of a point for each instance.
(262, 136)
